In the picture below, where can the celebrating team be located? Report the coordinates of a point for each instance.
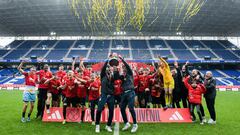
(123, 85)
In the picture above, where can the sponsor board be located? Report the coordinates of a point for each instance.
(143, 115)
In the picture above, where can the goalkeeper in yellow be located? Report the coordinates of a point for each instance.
(168, 81)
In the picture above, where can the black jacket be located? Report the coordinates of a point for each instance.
(210, 85)
(127, 80)
(177, 81)
(107, 86)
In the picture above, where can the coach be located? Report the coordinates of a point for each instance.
(210, 84)
(128, 95)
(107, 90)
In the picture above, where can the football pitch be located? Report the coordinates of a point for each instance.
(227, 108)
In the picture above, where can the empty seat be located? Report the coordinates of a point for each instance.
(202, 53)
(3, 52)
(56, 54)
(123, 43)
(194, 44)
(141, 54)
(16, 54)
(101, 44)
(28, 44)
(176, 44)
(184, 54)
(237, 52)
(162, 53)
(225, 54)
(154, 43)
(64, 44)
(232, 73)
(83, 43)
(123, 53)
(214, 72)
(15, 43)
(226, 43)
(212, 44)
(139, 44)
(99, 54)
(74, 53)
(46, 44)
(37, 52)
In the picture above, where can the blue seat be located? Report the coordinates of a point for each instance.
(176, 44)
(37, 52)
(16, 54)
(225, 54)
(162, 53)
(64, 44)
(15, 43)
(139, 44)
(141, 54)
(123, 53)
(85, 43)
(74, 53)
(56, 54)
(3, 52)
(194, 44)
(214, 72)
(46, 43)
(226, 43)
(155, 43)
(232, 73)
(28, 44)
(184, 54)
(101, 44)
(123, 43)
(202, 53)
(99, 54)
(212, 44)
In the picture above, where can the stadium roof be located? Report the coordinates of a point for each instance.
(40, 17)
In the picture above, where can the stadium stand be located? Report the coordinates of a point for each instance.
(132, 49)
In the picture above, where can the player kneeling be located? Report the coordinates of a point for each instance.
(195, 91)
(53, 92)
(29, 94)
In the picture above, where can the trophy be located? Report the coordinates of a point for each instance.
(113, 61)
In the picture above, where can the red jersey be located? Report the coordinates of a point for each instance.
(64, 91)
(70, 93)
(60, 74)
(82, 88)
(30, 79)
(194, 94)
(94, 91)
(143, 82)
(155, 87)
(52, 86)
(86, 72)
(118, 87)
(43, 74)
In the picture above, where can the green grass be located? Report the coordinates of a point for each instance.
(227, 107)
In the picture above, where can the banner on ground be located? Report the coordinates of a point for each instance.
(144, 115)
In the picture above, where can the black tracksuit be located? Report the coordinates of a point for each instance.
(210, 96)
(177, 92)
(107, 90)
(128, 95)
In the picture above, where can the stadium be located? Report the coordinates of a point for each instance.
(89, 39)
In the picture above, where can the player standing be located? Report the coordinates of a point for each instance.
(29, 94)
(94, 94)
(43, 75)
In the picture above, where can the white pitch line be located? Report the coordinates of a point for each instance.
(116, 129)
